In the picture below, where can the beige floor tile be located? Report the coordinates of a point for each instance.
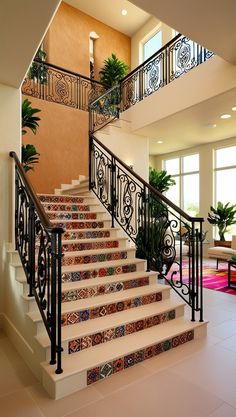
(223, 330)
(163, 394)
(15, 374)
(59, 408)
(213, 369)
(229, 343)
(19, 404)
(122, 379)
(217, 316)
(224, 410)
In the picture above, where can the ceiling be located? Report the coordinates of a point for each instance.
(191, 127)
(210, 23)
(109, 12)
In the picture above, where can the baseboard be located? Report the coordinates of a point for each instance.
(21, 345)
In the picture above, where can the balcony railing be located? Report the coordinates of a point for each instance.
(58, 85)
(174, 59)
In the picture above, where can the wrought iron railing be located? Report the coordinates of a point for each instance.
(174, 59)
(52, 83)
(105, 109)
(152, 222)
(38, 243)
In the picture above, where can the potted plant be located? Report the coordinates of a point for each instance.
(223, 216)
(29, 154)
(113, 71)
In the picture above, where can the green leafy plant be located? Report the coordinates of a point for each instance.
(29, 120)
(113, 71)
(222, 216)
(38, 70)
(29, 156)
(160, 180)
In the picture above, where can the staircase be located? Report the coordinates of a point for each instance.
(114, 313)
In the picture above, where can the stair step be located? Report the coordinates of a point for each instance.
(90, 233)
(109, 268)
(53, 198)
(88, 244)
(85, 224)
(91, 365)
(104, 285)
(71, 207)
(117, 325)
(112, 303)
(66, 215)
(97, 255)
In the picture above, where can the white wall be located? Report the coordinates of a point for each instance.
(130, 148)
(206, 175)
(213, 77)
(10, 123)
(143, 34)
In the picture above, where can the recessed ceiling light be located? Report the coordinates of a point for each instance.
(159, 141)
(124, 12)
(234, 108)
(210, 125)
(225, 116)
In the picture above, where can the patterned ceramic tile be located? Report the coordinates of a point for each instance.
(129, 360)
(130, 328)
(89, 245)
(139, 325)
(109, 335)
(97, 338)
(70, 296)
(80, 225)
(60, 199)
(118, 365)
(119, 331)
(136, 357)
(101, 272)
(86, 342)
(84, 315)
(106, 370)
(71, 216)
(77, 260)
(66, 207)
(93, 375)
(73, 318)
(74, 346)
(95, 234)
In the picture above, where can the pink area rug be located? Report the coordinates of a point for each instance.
(214, 279)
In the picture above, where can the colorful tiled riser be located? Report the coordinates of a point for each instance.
(110, 334)
(80, 294)
(109, 368)
(82, 224)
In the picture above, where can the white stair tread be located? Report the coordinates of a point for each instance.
(97, 251)
(110, 279)
(96, 239)
(117, 348)
(66, 195)
(110, 298)
(100, 324)
(98, 265)
(80, 221)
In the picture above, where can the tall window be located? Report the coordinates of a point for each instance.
(225, 179)
(152, 45)
(185, 171)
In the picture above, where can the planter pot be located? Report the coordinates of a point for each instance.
(224, 243)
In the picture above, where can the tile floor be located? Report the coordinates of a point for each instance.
(196, 380)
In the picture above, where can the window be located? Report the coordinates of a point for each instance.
(225, 178)
(185, 171)
(152, 45)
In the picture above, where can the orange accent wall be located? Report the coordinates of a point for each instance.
(62, 137)
(62, 141)
(67, 41)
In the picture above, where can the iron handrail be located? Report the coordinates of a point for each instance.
(47, 224)
(148, 186)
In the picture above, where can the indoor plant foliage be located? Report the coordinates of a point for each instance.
(29, 121)
(113, 71)
(223, 216)
(160, 180)
(38, 71)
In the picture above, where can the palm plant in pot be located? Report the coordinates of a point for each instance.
(223, 216)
